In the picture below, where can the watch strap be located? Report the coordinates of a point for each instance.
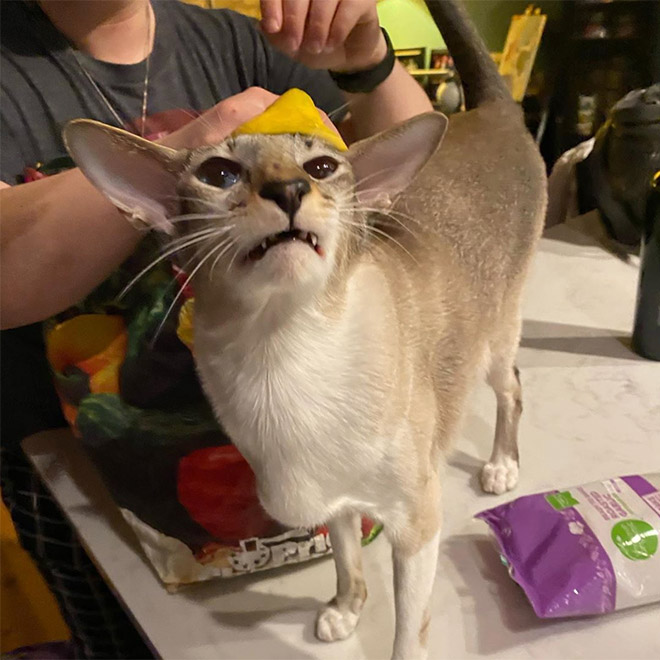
(363, 82)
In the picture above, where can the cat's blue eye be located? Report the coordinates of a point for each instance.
(321, 168)
(219, 172)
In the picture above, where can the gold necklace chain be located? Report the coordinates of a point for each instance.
(145, 88)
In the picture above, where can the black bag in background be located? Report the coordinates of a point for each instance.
(615, 177)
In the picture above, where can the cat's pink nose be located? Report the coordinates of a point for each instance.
(286, 194)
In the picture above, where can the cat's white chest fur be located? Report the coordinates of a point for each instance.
(300, 402)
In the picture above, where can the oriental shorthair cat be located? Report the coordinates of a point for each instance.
(345, 304)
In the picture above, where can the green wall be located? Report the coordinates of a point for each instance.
(492, 17)
(410, 25)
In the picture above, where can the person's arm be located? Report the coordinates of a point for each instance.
(345, 35)
(397, 98)
(60, 237)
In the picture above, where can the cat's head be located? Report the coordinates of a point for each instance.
(259, 214)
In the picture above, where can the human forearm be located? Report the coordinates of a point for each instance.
(396, 99)
(60, 238)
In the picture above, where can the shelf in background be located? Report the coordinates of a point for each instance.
(605, 40)
(430, 72)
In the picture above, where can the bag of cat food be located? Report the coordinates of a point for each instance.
(585, 550)
(122, 360)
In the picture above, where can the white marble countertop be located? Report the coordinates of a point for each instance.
(592, 410)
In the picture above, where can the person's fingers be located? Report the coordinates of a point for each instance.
(293, 25)
(319, 21)
(221, 120)
(271, 16)
(347, 15)
(238, 109)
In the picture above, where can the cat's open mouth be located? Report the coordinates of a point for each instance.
(285, 237)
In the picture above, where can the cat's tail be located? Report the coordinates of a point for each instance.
(479, 75)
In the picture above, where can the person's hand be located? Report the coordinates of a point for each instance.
(222, 119)
(217, 123)
(340, 35)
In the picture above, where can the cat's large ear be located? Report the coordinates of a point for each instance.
(385, 164)
(137, 176)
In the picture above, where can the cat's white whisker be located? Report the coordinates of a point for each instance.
(206, 231)
(228, 246)
(352, 205)
(389, 212)
(182, 288)
(231, 261)
(391, 238)
(199, 118)
(221, 119)
(189, 198)
(384, 217)
(332, 114)
(180, 244)
(383, 214)
(187, 217)
(372, 175)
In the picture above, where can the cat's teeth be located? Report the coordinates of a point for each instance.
(264, 245)
(313, 239)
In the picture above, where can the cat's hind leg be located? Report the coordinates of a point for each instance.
(338, 619)
(500, 474)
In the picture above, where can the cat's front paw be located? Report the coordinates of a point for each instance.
(497, 478)
(333, 624)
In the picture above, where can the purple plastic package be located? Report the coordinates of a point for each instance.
(584, 550)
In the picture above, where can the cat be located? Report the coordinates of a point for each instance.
(345, 303)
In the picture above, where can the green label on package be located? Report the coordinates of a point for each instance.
(561, 501)
(636, 539)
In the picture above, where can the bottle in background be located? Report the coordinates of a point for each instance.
(646, 332)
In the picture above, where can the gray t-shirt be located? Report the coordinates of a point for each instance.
(200, 57)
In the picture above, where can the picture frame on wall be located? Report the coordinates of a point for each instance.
(412, 59)
(441, 60)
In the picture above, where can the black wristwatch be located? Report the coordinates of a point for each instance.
(363, 82)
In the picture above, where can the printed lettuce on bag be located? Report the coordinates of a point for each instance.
(584, 550)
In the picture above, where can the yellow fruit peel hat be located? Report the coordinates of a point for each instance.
(293, 112)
